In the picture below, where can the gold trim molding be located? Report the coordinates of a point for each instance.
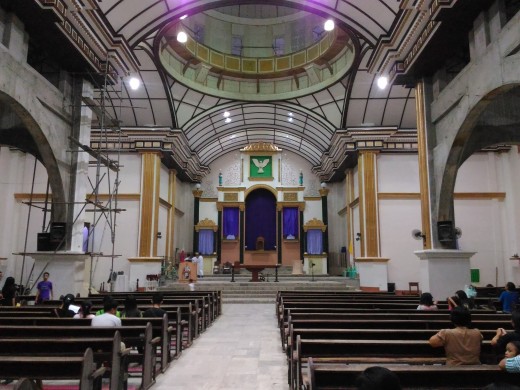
(315, 224)
(260, 178)
(206, 224)
(261, 147)
(281, 205)
(241, 206)
(145, 259)
(371, 260)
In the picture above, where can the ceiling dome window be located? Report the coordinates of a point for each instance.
(269, 53)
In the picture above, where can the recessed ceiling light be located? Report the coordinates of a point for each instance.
(182, 37)
(183, 17)
(329, 25)
(225, 114)
(290, 114)
(290, 119)
(233, 136)
(382, 82)
(134, 83)
(227, 120)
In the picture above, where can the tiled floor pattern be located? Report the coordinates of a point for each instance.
(240, 351)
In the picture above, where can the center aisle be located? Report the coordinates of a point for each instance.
(241, 350)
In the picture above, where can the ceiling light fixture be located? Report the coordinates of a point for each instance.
(183, 17)
(329, 25)
(134, 83)
(227, 120)
(290, 114)
(290, 119)
(182, 37)
(382, 82)
(225, 114)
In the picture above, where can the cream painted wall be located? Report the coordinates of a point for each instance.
(312, 210)
(397, 219)
(337, 223)
(208, 210)
(479, 173)
(184, 202)
(398, 173)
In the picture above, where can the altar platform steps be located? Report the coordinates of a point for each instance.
(244, 291)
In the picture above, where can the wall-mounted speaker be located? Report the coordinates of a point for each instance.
(446, 232)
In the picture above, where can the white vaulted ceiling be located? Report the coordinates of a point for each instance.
(163, 101)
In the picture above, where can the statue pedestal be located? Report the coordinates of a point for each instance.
(316, 264)
(69, 272)
(444, 271)
(373, 273)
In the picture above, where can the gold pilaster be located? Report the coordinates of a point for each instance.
(368, 210)
(170, 230)
(149, 207)
(423, 164)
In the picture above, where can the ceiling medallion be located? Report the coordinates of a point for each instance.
(286, 55)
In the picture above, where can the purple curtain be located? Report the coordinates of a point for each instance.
(260, 219)
(230, 222)
(314, 242)
(290, 222)
(206, 241)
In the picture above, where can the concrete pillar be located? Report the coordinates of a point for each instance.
(15, 38)
(170, 223)
(422, 102)
(149, 204)
(368, 210)
(444, 271)
(79, 184)
(196, 194)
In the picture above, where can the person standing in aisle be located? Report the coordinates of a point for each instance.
(44, 288)
(200, 265)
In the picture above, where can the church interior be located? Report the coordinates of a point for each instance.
(340, 135)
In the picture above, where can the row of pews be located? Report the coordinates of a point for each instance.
(332, 337)
(37, 346)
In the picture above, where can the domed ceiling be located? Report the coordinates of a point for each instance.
(253, 71)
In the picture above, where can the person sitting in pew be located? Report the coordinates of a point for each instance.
(106, 299)
(131, 310)
(508, 298)
(63, 311)
(511, 363)
(426, 302)
(84, 310)
(378, 378)
(108, 318)
(502, 337)
(462, 344)
(155, 310)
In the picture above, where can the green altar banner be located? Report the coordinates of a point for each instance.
(261, 167)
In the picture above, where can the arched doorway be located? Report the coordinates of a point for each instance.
(260, 220)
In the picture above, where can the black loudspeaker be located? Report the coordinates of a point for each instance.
(57, 235)
(44, 242)
(445, 231)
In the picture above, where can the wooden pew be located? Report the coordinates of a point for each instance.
(106, 349)
(140, 337)
(49, 367)
(345, 349)
(327, 376)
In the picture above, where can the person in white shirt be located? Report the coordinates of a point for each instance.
(108, 318)
(200, 266)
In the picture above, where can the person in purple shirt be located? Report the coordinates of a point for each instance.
(44, 287)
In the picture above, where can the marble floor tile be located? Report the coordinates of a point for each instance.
(241, 350)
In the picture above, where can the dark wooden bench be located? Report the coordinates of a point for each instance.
(52, 367)
(107, 349)
(139, 336)
(326, 376)
(344, 350)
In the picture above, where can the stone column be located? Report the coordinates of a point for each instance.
(196, 204)
(324, 216)
(421, 103)
(279, 234)
(170, 229)
(372, 269)
(368, 210)
(149, 207)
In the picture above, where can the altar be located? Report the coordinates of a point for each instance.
(255, 270)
